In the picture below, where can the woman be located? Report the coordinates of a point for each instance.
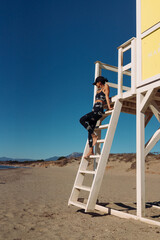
(90, 119)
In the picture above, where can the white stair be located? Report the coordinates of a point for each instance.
(78, 204)
(87, 172)
(85, 188)
(102, 127)
(101, 141)
(101, 159)
(95, 156)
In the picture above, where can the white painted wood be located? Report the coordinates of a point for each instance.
(98, 72)
(108, 112)
(146, 87)
(114, 212)
(154, 206)
(114, 85)
(126, 48)
(78, 204)
(149, 81)
(87, 172)
(97, 147)
(113, 68)
(120, 75)
(104, 126)
(125, 215)
(155, 109)
(152, 142)
(133, 61)
(146, 100)
(104, 157)
(95, 156)
(149, 221)
(100, 141)
(85, 188)
(79, 177)
(126, 95)
(122, 69)
(140, 160)
(127, 43)
(138, 43)
(115, 98)
(150, 30)
(109, 67)
(126, 67)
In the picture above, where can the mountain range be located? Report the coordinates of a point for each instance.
(72, 155)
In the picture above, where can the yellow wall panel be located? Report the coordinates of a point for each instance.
(151, 55)
(150, 13)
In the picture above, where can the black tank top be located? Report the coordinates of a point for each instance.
(100, 96)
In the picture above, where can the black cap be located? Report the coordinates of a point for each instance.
(100, 79)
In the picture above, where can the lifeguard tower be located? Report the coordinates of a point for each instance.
(141, 99)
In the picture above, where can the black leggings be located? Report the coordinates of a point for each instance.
(90, 119)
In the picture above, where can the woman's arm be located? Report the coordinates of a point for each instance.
(106, 91)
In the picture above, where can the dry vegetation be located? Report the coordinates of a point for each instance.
(129, 159)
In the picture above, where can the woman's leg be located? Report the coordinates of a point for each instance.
(86, 121)
(89, 122)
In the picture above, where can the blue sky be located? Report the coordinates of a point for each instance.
(48, 49)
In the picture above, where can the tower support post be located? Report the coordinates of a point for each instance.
(98, 72)
(140, 158)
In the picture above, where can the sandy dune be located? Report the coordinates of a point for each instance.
(33, 204)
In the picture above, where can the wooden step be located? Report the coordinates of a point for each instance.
(100, 141)
(102, 161)
(85, 188)
(87, 172)
(102, 127)
(108, 112)
(77, 204)
(94, 156)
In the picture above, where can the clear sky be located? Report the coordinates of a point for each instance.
(47, 54)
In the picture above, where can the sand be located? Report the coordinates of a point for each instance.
(33, 205)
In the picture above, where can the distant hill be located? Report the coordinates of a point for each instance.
(5, 159)
(54, 158)
(74, 155)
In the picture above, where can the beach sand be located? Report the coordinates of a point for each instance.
(34, 204)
